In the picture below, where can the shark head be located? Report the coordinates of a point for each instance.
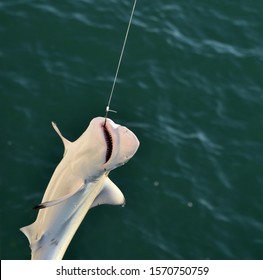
(121, 144)
(106, 144)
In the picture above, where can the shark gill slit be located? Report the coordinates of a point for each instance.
(109, 142)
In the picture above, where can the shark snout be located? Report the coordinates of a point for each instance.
(129, 143)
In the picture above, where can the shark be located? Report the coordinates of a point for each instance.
(79, 182)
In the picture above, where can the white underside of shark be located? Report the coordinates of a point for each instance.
(79, 183)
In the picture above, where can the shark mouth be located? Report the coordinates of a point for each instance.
(109, 142)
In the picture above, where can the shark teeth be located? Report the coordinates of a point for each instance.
(109, 143)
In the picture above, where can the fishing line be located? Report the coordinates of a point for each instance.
(119, 63)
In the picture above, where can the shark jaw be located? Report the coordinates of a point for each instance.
(79, 183)
(109, 142)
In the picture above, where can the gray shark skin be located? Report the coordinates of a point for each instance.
(79, 182)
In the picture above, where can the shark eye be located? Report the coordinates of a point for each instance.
(109, 142)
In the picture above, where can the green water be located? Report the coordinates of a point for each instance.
(191, 89)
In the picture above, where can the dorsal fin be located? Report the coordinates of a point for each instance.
(65, 141)
(110, 194)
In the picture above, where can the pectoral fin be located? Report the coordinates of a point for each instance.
(110, 194)
(65, 141)
(59, 200)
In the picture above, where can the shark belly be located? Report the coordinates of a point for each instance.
(55, 226)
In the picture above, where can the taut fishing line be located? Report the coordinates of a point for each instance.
(119, 63)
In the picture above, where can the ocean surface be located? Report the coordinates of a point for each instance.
(190, 87)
